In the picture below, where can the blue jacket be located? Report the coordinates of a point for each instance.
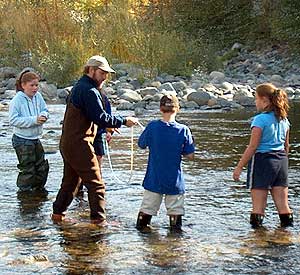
(23, 113)
(87, 98)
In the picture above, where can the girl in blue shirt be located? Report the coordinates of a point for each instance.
(27, 114)
(267, 155)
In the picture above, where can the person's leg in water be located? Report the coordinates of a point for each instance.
(100, 151)
(69, 187)
(259, 203)
(175, 211)
(149, 207)
(280, 198)
(26, 154)
(41, 166)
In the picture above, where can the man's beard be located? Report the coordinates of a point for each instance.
(99, 83)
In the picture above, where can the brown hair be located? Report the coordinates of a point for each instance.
(169, 104)
(278, 98)
(25, 77)
(86, 69)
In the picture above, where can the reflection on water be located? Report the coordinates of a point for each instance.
(217, 238)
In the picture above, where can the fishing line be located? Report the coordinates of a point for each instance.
(131, 158)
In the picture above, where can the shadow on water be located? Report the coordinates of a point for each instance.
(217, 237)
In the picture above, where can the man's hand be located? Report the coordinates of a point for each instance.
(131, 121)
(108, 137)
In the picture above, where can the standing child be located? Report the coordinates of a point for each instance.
(167, 141)
(267, 154)
(27, 113)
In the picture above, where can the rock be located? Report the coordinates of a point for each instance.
(123, 85)
(166, 87)
(155, 84)
(135, 83)
(223, 102)
(147, 98)
(9, 94)
(290, 91)
(201, 98)
(62, 93)
(196, 84)
(109, 91)
(153, 106)
(174, 93)
(217, 76)
(140, 104)
(226, 86)
(48, 91)
(125, 106)
(277, 79)
(147, 91)
(236, 46)
(179, 86)
(157, 97)
(8, 72)
(139, 111)
(130, 95)
(209, 87)
(190, 105)
(10, 84)
(212, 102)
(244, 100)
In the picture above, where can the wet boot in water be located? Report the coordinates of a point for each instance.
(143, 222)
(176, 223)
(256, 220)
(286, 219)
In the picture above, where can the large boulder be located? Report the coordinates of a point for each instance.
(48, 91)
(147, 91)
(200, 97)
(8, 72)
(130, 95)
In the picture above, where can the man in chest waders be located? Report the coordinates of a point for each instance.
(84, 113)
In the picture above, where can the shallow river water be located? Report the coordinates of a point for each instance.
(217, 238)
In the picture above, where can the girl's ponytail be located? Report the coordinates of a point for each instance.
(278, 99)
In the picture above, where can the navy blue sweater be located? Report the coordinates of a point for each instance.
(87, 98)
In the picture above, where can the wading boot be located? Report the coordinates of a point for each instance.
(57, 218)
(143, 222)
(175, 223)
(286, 219)
(256, 220)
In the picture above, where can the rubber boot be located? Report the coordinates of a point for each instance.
(56, 218)
(256, 220)
(175, 223)
(286, 219)
(143, 222)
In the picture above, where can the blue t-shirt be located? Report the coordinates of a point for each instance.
(167, 142)
(273, 132)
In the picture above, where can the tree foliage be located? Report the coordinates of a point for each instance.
(175, 36)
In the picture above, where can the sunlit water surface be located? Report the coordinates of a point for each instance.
(217, 237)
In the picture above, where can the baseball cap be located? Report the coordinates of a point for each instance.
(100, 62)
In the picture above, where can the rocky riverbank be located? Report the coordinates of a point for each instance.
(231, 88)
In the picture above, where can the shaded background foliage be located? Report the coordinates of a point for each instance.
(174, 36)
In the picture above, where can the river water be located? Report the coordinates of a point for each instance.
(217, 238)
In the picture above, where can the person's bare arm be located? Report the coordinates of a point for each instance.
(287, 142)
(249, 152)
